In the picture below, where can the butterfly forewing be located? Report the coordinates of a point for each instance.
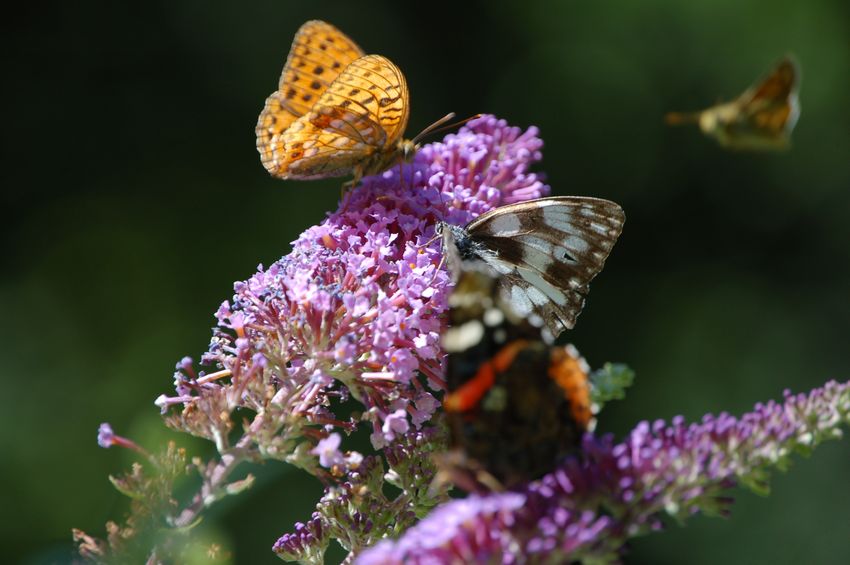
(319, 54)
(772, 106)
(547, 251)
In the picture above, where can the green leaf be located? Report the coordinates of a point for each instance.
(610, 383)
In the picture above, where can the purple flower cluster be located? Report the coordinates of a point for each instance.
(357, 513)
(590, 506)
(356, 309)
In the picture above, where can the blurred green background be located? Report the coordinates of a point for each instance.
(133, 197)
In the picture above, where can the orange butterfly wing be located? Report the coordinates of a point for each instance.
(354, 127)
(772, 104)
(319, 54)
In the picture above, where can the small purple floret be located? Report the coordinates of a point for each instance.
(105, 436)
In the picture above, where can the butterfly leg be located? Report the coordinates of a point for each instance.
(439, 267)
(346, 187)
(401, 174)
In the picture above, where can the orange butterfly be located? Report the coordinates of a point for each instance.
(761, 118)
(336, 112)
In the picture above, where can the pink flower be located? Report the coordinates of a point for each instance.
(328, 451)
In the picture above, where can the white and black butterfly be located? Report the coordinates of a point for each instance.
(543, 253)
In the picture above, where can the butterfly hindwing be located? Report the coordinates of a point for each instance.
(328, 142)
(373, 87)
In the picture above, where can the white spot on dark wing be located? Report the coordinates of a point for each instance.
(557, 216)
(536, 296)
(520, 301)
(576, 244)
(504, 225)
(600, 228)
(501, 267)
(536, 252)
(556, 295)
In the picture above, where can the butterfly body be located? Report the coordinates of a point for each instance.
(762, 118)
(543, 252)
(337, 111)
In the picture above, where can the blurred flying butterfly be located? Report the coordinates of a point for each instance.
(761, 118)
(337, 111)
(515, 406)
(542, 253)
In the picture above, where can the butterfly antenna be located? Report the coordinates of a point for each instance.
(438, 126)
(679, 118)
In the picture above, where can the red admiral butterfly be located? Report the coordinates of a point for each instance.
(515, 405)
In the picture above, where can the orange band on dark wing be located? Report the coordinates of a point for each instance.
(471, 392)
(567, 371)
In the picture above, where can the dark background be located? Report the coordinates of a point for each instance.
(133, 197)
